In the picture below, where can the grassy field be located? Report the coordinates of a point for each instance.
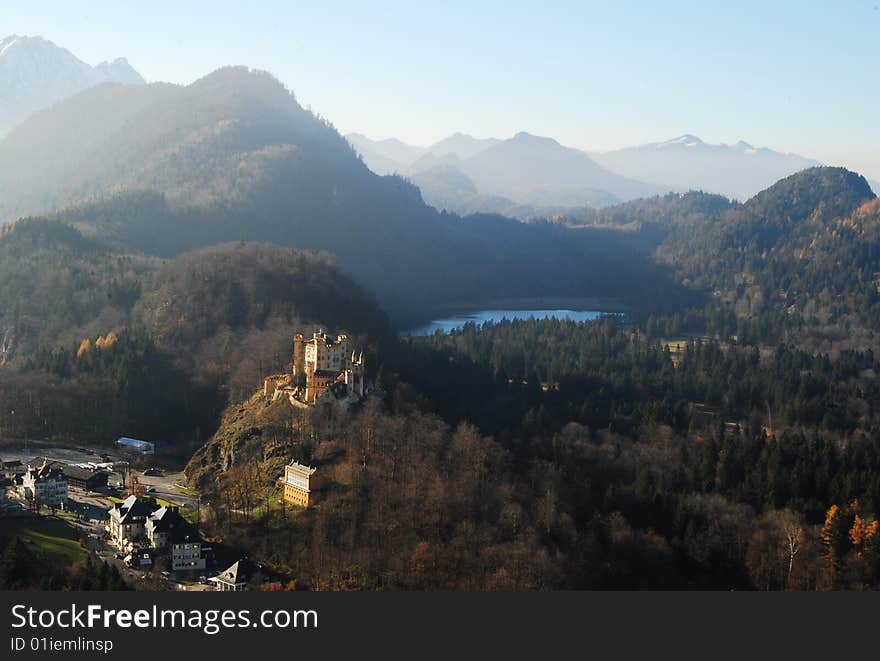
(54, 539)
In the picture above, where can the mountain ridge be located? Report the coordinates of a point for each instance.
(504, 174)
(686, 162)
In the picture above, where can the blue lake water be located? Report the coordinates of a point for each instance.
(494, 316)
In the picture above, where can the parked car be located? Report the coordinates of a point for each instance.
(151, 490)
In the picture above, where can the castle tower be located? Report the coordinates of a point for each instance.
(299, 353)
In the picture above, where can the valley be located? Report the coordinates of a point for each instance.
(507, 364)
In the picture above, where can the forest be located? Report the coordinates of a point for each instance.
(628, 472)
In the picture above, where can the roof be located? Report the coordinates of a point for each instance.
(167, 520)
(45, 469)
(78, 473)
(134, 442)
(132, 508)
(328, 374)
(37, 462)
(239, 572)
(301, 468)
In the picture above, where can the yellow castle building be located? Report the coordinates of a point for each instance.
(320, 364)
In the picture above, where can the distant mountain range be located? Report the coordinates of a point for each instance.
(687, 163)
(528, 175)
(35, 73)
(523, 176)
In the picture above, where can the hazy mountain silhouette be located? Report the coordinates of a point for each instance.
(525, 176)
(687, 163)
(462, 145)
(385, 156)
(35, 73)
(536, 170)
(393, 156)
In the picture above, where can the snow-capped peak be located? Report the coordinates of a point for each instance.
(686, 140)
(35, 73)
(8, 42)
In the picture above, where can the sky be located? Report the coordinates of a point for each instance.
(792, 76)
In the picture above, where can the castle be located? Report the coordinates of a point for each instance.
(322, 365)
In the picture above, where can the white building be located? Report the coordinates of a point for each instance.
(45, 484)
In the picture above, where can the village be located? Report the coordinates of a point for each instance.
(146, 521)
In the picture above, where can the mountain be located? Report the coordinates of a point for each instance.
(875, 185)
(526, 176)
(539, 171)
(392, 156)
(461, 145)
(35, 73)
(162, 169)
(385, 156)
(120, 71)
(687, 163)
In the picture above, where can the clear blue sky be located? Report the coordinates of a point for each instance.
(794, 76)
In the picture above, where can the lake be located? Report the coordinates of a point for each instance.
(494, 316)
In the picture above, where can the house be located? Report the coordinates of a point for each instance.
(168, 531)
(147, 531)
(298, 483)
(45, 485)
(240, 576)
(128, 521)
(12, 468)
(85, 478)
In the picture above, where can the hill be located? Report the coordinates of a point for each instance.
(57, 287)
(687, 163)
(35, 73)
(97, 343)
(798, 258)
